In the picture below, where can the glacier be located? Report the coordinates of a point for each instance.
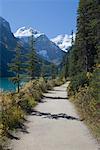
(63, 41)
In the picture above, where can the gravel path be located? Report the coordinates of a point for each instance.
(55, 125)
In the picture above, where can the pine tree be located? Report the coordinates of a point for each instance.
(32, 58)
(86, 33)
(42, 69)
(53, 71)
(72, 39)
(16, 66)
(65, 61)
(85, 52)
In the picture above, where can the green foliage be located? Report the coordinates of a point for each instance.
(53, 71)
(16, 67)
(94, 83)
(11, 113)
(85, 52)
(77, 81)
(49, 85)
(83, 64)
(43, 68)
(59, 81)
(42, 84)
(4, 144)
(14, 106)
(88, 108)
(31, 58)
(27, 103)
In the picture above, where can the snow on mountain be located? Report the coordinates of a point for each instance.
(63, 41)
(26, 32)
(43, 45)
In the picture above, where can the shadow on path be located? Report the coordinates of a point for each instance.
(59, 90)
(20, 127)
(50, 97)
(10, 136)
(54, 116)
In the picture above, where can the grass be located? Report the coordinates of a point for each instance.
(87, 101)
(15, 106)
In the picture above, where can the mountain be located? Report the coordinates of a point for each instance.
(46, 50)
(44, 47)
(8, 43)
(27, 32)
(63, 41)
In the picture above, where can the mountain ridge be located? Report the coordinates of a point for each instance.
(43, 45)
(63, 41)
(45, 49)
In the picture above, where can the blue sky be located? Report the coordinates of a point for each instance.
(52, 17)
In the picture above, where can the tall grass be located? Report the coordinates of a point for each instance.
(87, 101)
(15, 106)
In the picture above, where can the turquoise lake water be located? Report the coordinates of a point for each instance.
(6, 85)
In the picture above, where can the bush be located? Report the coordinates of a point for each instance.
(55, 82)
(32, 89)
(27, 103)
(87, 99)
(94, 83)
(49, 85)
(87, 106)
(58, 81)
(77, 81)
(11, 114)
(42, 84)
(14, 106)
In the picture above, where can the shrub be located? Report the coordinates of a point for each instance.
(94, 83)
(87, 106)
(42, 84)
(49, 85)
(77, 81)
(27, 102)
(14, 106)
(58, 81)
(11, 113)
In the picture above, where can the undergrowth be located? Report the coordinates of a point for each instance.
(87, 101)
(15, 106)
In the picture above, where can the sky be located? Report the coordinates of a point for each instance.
(53, 17)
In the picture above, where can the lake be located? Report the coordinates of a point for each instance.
(6, 85)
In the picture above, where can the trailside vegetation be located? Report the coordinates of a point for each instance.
(31, 58)
(15, 106)
(16, 66)
(83, 64)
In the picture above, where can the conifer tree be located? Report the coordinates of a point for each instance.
(53, 71)
(72, 38)
(32, 58)
(86, 49)
(86, 42)
(42, 69)
(16, 66)
(85, 52)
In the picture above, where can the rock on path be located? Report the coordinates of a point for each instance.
(55, 125)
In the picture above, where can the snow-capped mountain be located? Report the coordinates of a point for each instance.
(26, 32)
(63, 41)
(8, 44)
(44, 47)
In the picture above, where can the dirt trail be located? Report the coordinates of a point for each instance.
(55, 125)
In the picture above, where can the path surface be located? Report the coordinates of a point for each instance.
(55, 125)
